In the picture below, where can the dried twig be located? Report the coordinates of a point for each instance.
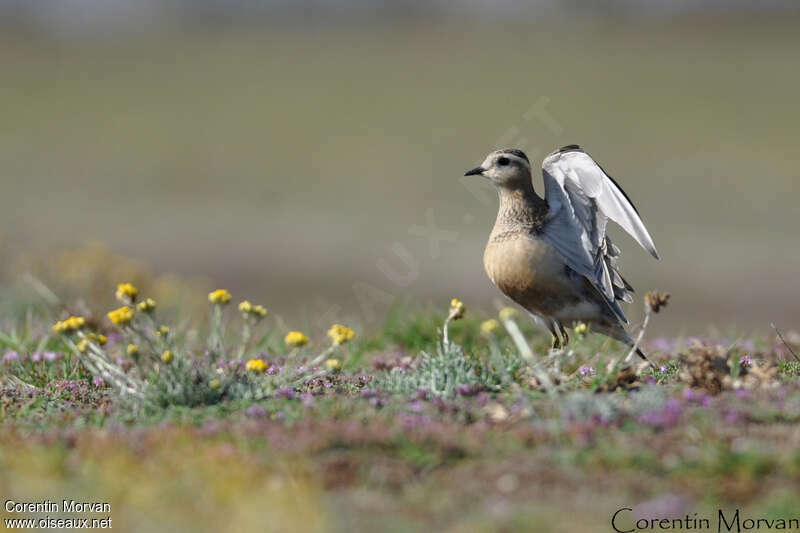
(648, 311)
(780, 336)
(527, 354)
(42, 290)
(653, 303)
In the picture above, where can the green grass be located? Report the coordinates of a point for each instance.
(292, 167)
(411, 433)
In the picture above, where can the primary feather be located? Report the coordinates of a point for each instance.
(582, 198)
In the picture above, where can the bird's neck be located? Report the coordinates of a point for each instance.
(521, 210)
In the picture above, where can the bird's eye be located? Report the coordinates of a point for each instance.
(503, 161)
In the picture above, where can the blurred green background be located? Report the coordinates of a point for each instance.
(304, 163)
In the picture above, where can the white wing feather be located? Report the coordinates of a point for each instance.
(581, 198)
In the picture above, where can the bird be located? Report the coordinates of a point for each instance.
(552, 255)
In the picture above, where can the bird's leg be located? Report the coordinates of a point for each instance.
(551, 325)
(556, 342)
(564, 333)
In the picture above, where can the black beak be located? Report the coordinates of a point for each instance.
(477, 171)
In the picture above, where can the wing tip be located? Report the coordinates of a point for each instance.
(563, 150)
(569, 148)
(654, 252)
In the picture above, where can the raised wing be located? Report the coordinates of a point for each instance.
(581, 199)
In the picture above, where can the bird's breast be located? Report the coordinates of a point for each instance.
(529, 271)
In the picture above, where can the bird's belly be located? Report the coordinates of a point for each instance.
(532, 273)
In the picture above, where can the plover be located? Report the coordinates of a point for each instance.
(551, 255)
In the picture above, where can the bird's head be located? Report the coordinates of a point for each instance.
(505, 168)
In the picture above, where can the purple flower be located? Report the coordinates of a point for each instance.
(416, 406)
(307, 398)
(664, 506)
(210, 429)
(662, 344)
(399, 360)
(467, 390)
(663, 369)
(113, 337)
(586, 370)
(698, 397)
(255, 411)
(376, 402)
(421, 394)
(285, 392)
(10, 357)
(52, 356)
(413, 421)
(373, 397)
(99, 382)
(667, 416)
(36, 357)
(732, 417)
(368, 393)
(746, 361)
(482, 399)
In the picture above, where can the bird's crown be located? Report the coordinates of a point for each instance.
(513, 151)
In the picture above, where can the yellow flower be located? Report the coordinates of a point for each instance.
(256, 365)
(147, 306)
(457, 309)
(162, 331)
(247, 308)
(127, 293)
(133, 350)
(167, 356)
(333, 364)
(219, 297)
(97, 338)
(214, 384)
(490, 327)
(581, 328)
(121, 316)
(507, 313)
(76, 322)
(341, 334)
(295, 339)
(69, 325)
(82, 345)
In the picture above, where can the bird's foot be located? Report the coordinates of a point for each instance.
(565, 335)
(556, 343)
